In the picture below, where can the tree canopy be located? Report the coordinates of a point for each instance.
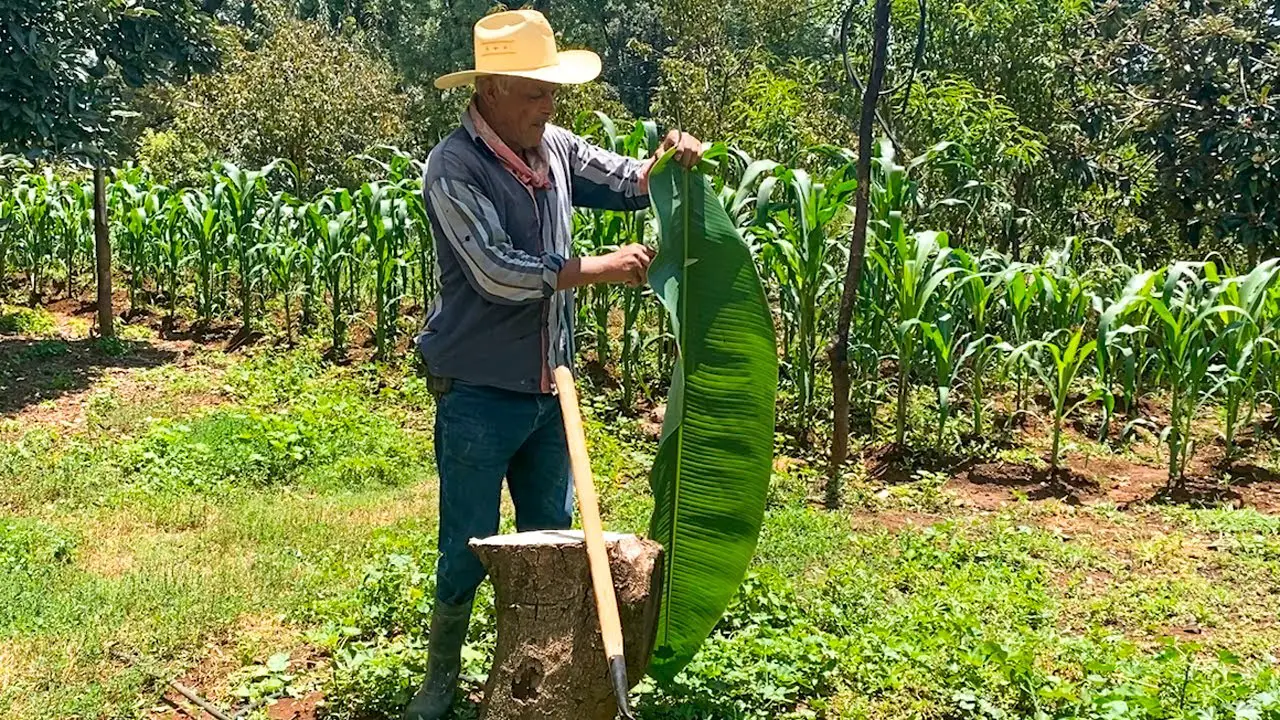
(69, 63)
(306, 96)
(1151, 123)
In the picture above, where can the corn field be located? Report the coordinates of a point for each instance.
(976, 329)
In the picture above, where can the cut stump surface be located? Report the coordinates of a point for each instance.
(549, 663)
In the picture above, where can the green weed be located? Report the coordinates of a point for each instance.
(112, 346)
(325, 443)
(29, 546)
(26, 321)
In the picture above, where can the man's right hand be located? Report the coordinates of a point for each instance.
(628, 265)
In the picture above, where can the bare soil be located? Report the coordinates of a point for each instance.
(990, 485)
(306, 707)
(210, 677)
(33, 371)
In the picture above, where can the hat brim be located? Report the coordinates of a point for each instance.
(574, 67)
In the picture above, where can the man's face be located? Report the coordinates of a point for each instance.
(522, 113)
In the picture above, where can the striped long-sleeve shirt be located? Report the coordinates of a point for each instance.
(498, 319)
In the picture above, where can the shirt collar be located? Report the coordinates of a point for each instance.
(470, 127)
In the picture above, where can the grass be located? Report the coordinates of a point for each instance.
(162, 588)
(25, 321)
(263, 525)
(156, 529)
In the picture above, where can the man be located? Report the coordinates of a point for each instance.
(500, 192)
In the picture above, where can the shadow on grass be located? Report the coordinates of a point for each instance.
(35, 370)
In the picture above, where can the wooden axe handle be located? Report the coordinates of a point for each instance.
(589, 508)
(593, 533)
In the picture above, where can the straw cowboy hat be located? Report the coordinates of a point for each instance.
(520, 43)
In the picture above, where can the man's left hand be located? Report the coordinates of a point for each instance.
(688, 148)
(688, 153)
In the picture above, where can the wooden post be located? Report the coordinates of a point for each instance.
(549, 663)
(839, 348)
(102, 251)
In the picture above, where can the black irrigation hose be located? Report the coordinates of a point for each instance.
(853, 78)
(918, 56)
(917, 59)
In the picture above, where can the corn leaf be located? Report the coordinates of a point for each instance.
(711, 474)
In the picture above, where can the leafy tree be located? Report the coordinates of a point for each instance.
(626, 36)
(69, 62)
(1189, 85)
(67, 66)
(305, 96)
(421, 39)
(995, 154)
(989, 76)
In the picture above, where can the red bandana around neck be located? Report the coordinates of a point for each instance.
(534, 174)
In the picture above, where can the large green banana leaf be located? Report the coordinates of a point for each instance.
(712, 471)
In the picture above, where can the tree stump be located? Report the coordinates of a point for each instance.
(549, 662)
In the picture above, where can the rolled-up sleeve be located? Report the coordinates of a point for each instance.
(604, 179)
(497, 270)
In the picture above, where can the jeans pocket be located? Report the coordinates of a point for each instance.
(467, 424)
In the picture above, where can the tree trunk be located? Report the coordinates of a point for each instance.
(549, 663)
(853, 271)
(102, 251)
(71, 277)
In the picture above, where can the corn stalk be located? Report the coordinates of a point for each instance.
(1057, 367)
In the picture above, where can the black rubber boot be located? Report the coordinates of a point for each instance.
(444, 661)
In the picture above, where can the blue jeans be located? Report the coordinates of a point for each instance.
(482, 435)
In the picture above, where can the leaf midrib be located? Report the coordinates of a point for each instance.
(681, 305)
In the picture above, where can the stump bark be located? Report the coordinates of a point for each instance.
(549, 663)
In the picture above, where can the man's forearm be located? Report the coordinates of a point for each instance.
(581, 271)
(628, 264)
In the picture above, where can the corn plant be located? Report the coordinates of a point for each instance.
(1121, 345)
(751, 200)
(67, 226)
(76, 215)
(917, 268)
(414, 244)
(242, 193)
(950, 350)
(1186, 326)
(132, 215)
(205, 229)
(633, 341)
(384, 217)
(171, 253)
(423, 248)
(1244, 335)
(874, 319)
(800, 257)
(1064, 296)
(1021, 282)
(37, 202)
(597, 232)
(283, 256)
(980, 290)
(10, 225)
(869, 344)
(1057, 367)
(1267, 356)
(332, 221)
